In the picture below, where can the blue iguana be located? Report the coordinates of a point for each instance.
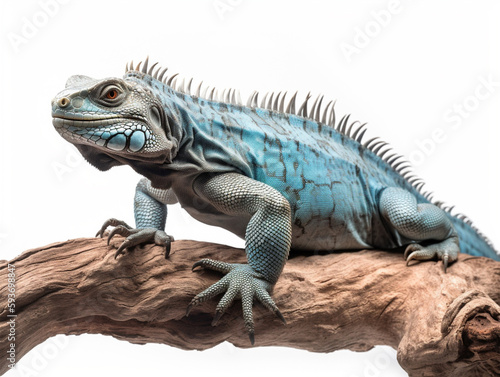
(282, 179)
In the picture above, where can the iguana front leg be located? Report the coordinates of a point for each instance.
(150, 212)
(267, 238)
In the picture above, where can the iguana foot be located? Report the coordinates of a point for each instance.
(135, 237)
(240, 281)
(447, 251)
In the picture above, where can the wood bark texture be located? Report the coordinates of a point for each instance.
(441, 324)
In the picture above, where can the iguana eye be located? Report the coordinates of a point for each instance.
(112, 94)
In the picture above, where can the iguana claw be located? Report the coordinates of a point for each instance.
(135, 237)
(242, 281)
(111, 222)
(446, 250)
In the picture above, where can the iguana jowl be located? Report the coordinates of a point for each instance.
(282, 179)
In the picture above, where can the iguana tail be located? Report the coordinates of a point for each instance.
(472, 241)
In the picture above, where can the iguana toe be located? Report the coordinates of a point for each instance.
(447, 251)
(136, 237)
(240, 281)
(111, 222)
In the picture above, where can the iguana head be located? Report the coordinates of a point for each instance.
(113, 122)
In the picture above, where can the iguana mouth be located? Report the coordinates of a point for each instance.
(116, 133)
(82, 120)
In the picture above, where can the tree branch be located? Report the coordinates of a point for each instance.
(441, 324)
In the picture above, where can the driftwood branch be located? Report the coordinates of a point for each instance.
(441, 324)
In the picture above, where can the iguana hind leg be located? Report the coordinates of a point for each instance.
(420, 222)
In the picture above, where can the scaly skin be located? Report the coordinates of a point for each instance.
(282, 181)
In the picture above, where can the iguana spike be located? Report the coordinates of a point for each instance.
(204, 95)
(344, 126)
(408, 174)
(349, 130)
(419, 185)
(428, 195)
(323, 120)
(126, 67)
(414, 180)
(366, 145)
(317, 116)
(282, 103)
(291, 105)
(138, 66)
(256, 100)
(223, 96)
(381, 155)
(188, 89)
(394, 159)
(396, 166)
(211, 96)
(263, 102)
(155, 75)
(313, 108)
(162, 73)
(389, 157)
(238, 97)
(339, 126)
(150, 71)
(173, 84)
(276, 102)
(171, 79)
(270, 102)
(360, 137)
(198, 91)
(355, 134)
(233, 98)
(380, 145)
(181, 86)
(332, 119)
(145, 66)
(404, 166)
(250, 98)
(303, 108)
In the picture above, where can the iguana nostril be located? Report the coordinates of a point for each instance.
(63, 102)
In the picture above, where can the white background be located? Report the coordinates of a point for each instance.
(405, 76)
